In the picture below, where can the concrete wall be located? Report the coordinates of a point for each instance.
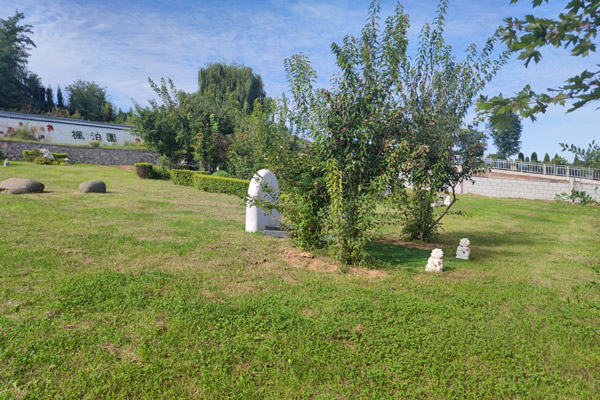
(66, 131)
(89, 155)
(534, 187)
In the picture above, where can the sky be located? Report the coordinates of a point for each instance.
(119, 45)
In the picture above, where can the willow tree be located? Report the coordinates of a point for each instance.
(231, 80)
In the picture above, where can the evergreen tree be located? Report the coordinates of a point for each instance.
(49, 99)
(14, 46)
(547, 158)
(59, 98)
(521, 157)
(534, 157)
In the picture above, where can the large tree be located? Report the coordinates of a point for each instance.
(507, 136)
(231, 80)
(90, 101)
(15, 44)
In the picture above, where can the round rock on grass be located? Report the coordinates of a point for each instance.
(92, 187)
(20, 186)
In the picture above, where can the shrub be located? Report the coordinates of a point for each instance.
(217, 184)
(576, 196)
(60, 157)
(22, 132)
(182, 177)
(42, 161)
(222, 174)
(95, 143)
(30, 155)
(521, 157)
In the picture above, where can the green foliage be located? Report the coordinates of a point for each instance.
(558, 160)
(30, 155)
(15, 43)
(222, 174)
(42, 161)
(185, 126)
(589, 157)
(216, 184)
(435, 95)
(546, 158)
(576, 196)
(60, 102)
(89, 100)
(534, 157)
(257, 138)
(231, 81)
(507, 135)
(182, 177)
(575, 28)
(60, 156)
(94, 143)
(521, 157)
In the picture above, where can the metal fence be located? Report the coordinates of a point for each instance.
(544, 169)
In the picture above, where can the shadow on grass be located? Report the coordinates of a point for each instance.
(397, 256)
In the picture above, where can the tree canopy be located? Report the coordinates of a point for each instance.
(507, 137)
(231, 80)
(15, 44)
(90, 101)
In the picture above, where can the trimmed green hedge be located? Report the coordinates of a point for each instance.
(217, 184)
(183, 177)
(149, 171)
(35, 156)
(214, 184)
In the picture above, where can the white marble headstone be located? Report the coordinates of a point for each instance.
(263, 186)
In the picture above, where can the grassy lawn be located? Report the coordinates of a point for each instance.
(155, 291)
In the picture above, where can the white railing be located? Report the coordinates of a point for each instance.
(544, 169)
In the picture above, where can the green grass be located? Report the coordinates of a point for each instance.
(155, 291)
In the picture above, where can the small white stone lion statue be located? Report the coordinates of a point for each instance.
(463, 251)
(435, 262)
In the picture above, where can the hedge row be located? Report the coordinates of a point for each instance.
(149, 171)
(214, 184)
(31, 155)
(217, 184)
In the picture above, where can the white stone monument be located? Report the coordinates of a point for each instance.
(264, 187)
(6, 162)
(463, 251)
(447, 201)
(435, 262)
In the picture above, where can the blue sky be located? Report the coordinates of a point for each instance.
(120, 44)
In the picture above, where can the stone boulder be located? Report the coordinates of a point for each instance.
(92, 187)
(47, 154)
(20, 186)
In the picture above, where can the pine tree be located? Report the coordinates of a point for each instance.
(59, 98)
(547, 158)
(534, 157)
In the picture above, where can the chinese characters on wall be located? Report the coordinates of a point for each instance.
(95, 136)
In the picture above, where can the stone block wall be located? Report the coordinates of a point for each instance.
(84, 154)
(542, 189)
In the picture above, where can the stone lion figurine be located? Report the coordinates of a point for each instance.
(435, 262)
(463, 251)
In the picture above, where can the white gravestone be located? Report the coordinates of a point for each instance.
(263, 186)
(435, 262)
(447, 201)
(463, 251)
(6, 162)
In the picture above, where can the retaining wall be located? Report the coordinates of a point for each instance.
(528, 187)
(89, 155)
